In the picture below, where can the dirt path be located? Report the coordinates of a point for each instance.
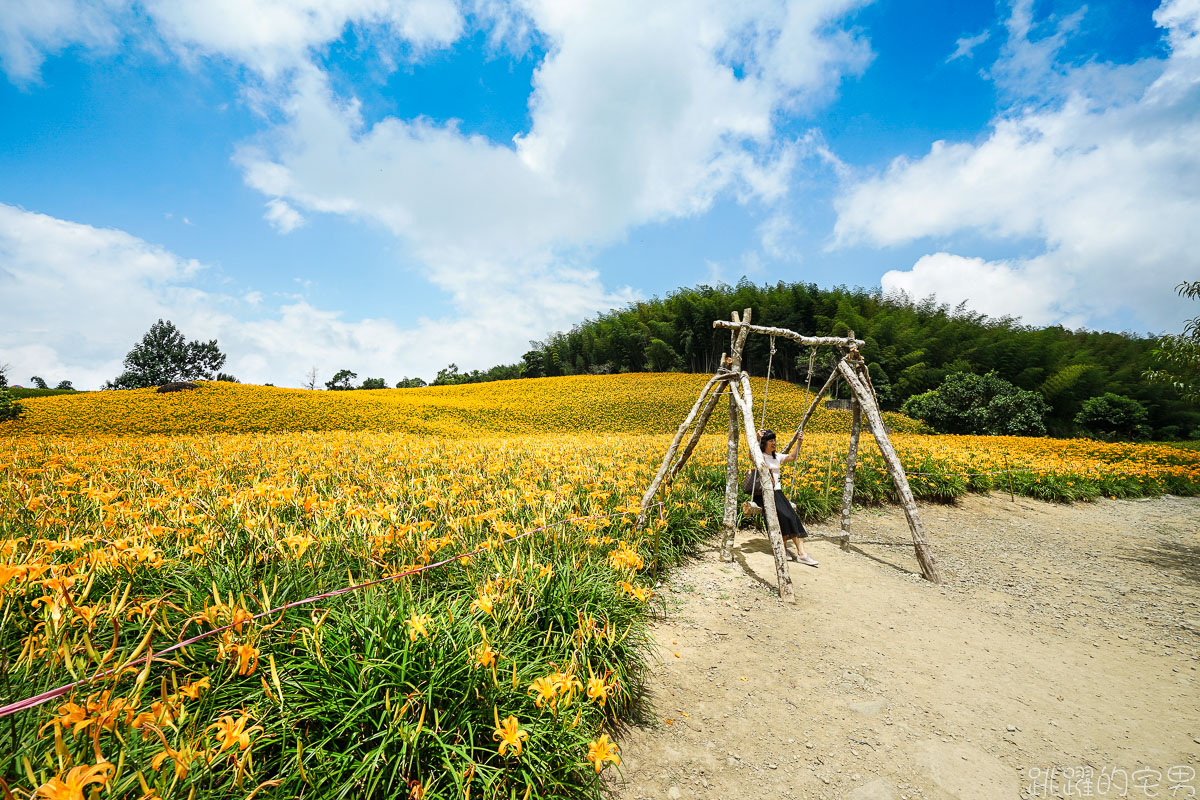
(1064, 637)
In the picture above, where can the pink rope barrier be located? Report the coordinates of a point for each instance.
(44, 697)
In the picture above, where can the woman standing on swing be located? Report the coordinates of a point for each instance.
(789, 523)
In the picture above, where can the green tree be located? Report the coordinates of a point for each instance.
(38, 383)
(1113, 416)
(164, 356)
(221, 376)
(661, 357)
(374, 383)
(979, 404)
(66, 386)
(447, 376)
(4, 368)
(9, 407)
(533, 363)
(1178, 356)
(410, 383)
(341, 381)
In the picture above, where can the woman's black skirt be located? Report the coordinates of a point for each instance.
(789, 523)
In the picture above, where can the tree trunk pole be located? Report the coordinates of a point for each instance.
(745, 403)
(798, 436)
(698, 430)
(851, 463)
(729, 523)
(662, 471)
(929, 567)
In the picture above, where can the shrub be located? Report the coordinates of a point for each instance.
(1112, 416)
(980, 404)
(9, 407)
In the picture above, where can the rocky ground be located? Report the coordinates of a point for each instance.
(1058, 659)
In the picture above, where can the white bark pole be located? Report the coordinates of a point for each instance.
(745, 402)
(798, 436)
(851, 462)
(687, 422)
(842, 341)
(928, 563)
(698, 430)
(729, 522)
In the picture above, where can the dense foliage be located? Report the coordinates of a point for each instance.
(980, 404)
(1111, 416)
(911, 346)
(1177, 358)
(10, 409)
(165, 356)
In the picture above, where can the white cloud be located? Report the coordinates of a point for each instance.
(78, 297)
(282, 217)
(964, 47)
(272, 36)
(268, 36)
(639, 113)
(993, 288)
(1110, 187)
(32, 29)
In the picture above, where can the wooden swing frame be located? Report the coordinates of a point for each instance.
(853, 370)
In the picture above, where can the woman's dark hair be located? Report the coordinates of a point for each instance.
(767, 436)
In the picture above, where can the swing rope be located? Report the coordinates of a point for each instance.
(766, 389)
(812, 360)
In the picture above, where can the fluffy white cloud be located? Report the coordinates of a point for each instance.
(639, 113)
(268, 36)
(282, 217)
(77, 297)
(31, 29)
(1109, 185)
(272, 36)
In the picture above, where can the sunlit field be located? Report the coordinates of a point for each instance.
(495, 667)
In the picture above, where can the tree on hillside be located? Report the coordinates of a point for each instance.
(1112, 416)
(65, 386)
(374, 383)
(341, 381)
(38, 383)
(164, 356)
(310, 380)
(4, 368)
(1178, 357)
(447, 376)
(980, 404)
(10, 409)
(222, 376)
(533, 363)
(410, 383)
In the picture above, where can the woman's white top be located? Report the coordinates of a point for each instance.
(773, 462)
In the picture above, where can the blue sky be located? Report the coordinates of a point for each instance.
(391, 186)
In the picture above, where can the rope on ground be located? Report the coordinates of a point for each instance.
(37, 700)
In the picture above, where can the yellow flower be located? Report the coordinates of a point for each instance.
(418, 626)
(232, 731)
(508, 733)
(597, 689)
(485, 656)
(546, 688)
(485, 602)
(71, 786)
(603, 750)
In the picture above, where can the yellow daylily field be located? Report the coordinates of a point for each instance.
(132, 523)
